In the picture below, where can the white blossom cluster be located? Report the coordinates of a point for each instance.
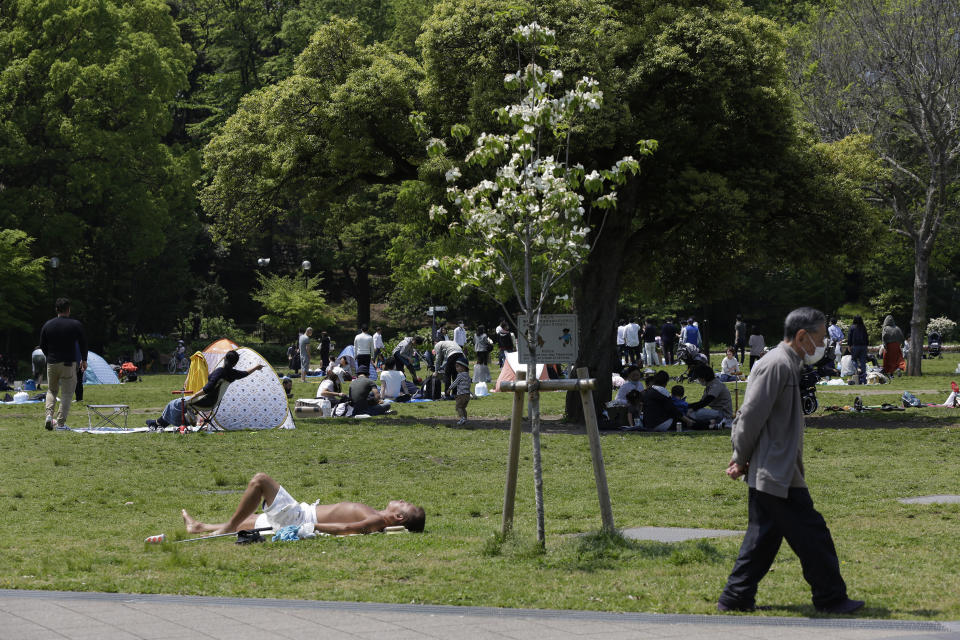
(528, 222)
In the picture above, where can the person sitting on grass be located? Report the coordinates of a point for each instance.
(715, 407)
(392, 379)
(678, 395)
(460, 389)
(634, 409)
(330, 388)
(633, 381)
(281, 510)
(730, 367)
(365, 396)
(175, 411)
(659, 414)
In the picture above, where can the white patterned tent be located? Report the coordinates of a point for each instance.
(98, 371)
(255, 402)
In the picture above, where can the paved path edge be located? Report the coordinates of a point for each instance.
(455, 610)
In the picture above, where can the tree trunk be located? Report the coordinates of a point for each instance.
(918, 321)
(595, 296)
(531, 322)
(363, 296)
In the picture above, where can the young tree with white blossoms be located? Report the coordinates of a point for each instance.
(527, 224)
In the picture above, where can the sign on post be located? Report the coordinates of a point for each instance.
(557, 341)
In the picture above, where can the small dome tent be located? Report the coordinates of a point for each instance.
(98, 371)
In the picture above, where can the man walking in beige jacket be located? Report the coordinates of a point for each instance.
(768, 448)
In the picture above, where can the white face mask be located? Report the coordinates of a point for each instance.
(817, 354)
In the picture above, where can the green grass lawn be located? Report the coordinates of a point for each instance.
(78, 507)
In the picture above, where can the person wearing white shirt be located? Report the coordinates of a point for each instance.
(391, 380)
(378, 346)
(848, 366)
(730, 366)
(621, 350)
(631, 341)
(460, 334)
(633, 381)
(363, 349)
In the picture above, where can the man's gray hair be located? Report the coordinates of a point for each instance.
(806, 318)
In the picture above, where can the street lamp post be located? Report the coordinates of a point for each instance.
(305, 265)
(54, 265)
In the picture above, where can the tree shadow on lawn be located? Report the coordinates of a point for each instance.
(548, 424)
(909, 419)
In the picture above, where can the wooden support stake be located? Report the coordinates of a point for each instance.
(599, 472)
(513, 458)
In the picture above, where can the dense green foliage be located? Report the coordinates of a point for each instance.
(158, 148)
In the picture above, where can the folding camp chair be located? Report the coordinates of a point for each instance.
(206, 405)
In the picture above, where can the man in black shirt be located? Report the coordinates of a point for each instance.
(61, 338)
(668, 339)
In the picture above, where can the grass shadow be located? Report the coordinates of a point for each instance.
(881, 420)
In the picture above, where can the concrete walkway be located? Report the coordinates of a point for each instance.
(42, 615)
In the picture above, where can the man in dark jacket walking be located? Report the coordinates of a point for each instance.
(61, 339)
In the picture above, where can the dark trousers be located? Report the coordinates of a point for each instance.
(771, 520)
(363, 364)
(403, 362)
(859, 354)
(668, 352)
(753, 360)
(633, 353)
(741, 349)
(449, 372)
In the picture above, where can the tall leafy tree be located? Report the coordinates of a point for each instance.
(328, 147)
(85, 102)
(708, 81)
(890, 70)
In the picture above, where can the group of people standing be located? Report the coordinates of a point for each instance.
(659, 343)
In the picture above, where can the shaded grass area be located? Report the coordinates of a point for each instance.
(79, 506)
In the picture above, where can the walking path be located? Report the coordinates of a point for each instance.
(42, 615)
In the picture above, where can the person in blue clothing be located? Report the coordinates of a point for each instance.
(693, 334)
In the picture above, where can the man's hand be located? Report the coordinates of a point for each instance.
(735, 470)
(83, 365)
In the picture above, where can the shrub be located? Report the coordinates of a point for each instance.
(943, 325)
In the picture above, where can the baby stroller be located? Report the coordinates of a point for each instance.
(808, 389)
(934, 347)
(690, 356)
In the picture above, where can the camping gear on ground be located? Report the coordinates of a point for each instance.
(128, 372)
(689, 355)
(481, 389)
(808, 389)
(510, 367)
(909, 400)
(432, 389)
(481, 373)
(98, 371)
(255, 402)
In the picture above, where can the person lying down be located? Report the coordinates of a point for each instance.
(281, 510)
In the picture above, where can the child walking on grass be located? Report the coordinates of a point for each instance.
(460, 389)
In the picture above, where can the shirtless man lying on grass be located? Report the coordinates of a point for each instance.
(281, 510)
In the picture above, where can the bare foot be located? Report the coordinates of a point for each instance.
(192, 525)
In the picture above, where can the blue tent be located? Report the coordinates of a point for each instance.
(98, 371)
